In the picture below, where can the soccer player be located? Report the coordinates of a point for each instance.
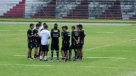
(55, 34)
(80, 41)
(45, 35)
(30, 40)
(65, 43)
(39, 39)
(74, 37)
(36, 41)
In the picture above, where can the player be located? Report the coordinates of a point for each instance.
(65, 43)
(45, 35)
(39, 39)
(30, 40)
(36, 41)
(80, 41)
(74, 37)
(55, 34)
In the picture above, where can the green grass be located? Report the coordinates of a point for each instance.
(101, 41)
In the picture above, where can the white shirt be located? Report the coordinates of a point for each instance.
(44, 34)
(40, 29)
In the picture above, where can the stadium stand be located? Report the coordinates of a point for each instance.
(92, 9)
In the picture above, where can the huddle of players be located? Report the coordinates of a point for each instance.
(35, 39)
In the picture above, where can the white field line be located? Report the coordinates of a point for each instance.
(74, 23)
(108, 45)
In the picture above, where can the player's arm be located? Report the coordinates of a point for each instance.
(29, 34)
(49, 35)
(52, 33)
(59, 33)
(62, 35)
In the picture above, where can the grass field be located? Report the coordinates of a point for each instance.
(108, 51)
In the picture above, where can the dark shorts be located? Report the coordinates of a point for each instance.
(79, 46)
(72, 46)
(36, 44)
(54, 46)
(31, 45)
(65, 47)
(44, 48)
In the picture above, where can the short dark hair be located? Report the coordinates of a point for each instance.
(37, 25)
(45, 26)
(31, 25)
(80, 26)
(55, 26)
(66, 27)
(73, 27)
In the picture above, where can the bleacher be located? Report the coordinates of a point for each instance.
(92, 9)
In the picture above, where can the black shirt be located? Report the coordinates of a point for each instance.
(55, 34)
(82, 36)
(74, 35)
(65, 37)
(36, 36)
(30, 34)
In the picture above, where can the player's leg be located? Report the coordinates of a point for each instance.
(57, 51)
(36, 52)
(30, 47)
(29, 53)
(41, 52)
(52, 49)
(75, 51)
(46, 53)
(70, 53)
(81, 56)
(63, 54)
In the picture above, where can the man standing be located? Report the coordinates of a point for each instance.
(30, 40)
(55, 34)
(45, 35)
(74, 37)
(65, 43)
(80, 41)
(36, 41)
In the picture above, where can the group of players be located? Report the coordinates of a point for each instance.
(38, 38)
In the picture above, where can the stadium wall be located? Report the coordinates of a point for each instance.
(92, 9)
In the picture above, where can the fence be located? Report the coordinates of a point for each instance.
(92, 9)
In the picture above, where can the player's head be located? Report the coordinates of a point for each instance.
(55, 26)
(45, 26)
(31, 26)
(40, 23)
(64, 28)
(37, 26)
(79, 27)
(73, 27)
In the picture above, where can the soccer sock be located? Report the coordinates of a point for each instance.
(75, 54)
(51, 55)
(40, 57)
(57, 55)
(45, 57)
(69, 54)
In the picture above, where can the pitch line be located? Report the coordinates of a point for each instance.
(108, 45)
